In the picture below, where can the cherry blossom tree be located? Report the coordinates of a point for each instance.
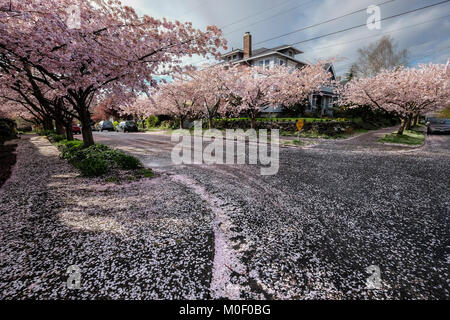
(141, 108)
(212, 89)
(256, 88)
(111, 51)
(405, 92)
(292, 86)
(13, 110)
(46, 106)
(106, 109)
(179, 99)
(251, 90)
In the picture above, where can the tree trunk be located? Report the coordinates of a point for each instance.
(408, 122)
(402, 127)
(59, 126)
(252, 122)
(181, 123)
(47, 123)
(210, 123)
(416, 120)
(88, 138)
(69, 132)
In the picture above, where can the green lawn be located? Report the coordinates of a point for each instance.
(409, 137)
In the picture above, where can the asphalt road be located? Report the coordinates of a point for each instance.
(332, 210)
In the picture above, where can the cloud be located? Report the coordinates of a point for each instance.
(425, 33)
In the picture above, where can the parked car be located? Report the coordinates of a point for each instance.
(93, 126)
(105, 125)
(76, 129)
(127, 126)
(437, 125)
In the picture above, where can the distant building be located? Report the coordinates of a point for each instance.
(284, 55)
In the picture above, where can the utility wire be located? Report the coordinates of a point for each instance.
(377, 35)
(361, 25)
(273, 16)
(253, 15)
(320, 23)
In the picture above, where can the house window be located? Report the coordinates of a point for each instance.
(281, 62)
(261, 63)
(267, 63)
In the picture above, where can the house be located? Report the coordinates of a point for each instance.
(284, 55)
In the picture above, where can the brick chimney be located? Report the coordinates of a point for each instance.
(247, 45)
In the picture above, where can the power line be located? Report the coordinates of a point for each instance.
(269, 17)
(273, 16)
(255, 14)
(320, 23)
(311, 26)
(361, 25)
(377, 35)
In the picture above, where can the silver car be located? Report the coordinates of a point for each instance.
(438, 125)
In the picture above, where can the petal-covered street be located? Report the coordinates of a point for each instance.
(224, 231)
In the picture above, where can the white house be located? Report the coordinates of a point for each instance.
(284, 55)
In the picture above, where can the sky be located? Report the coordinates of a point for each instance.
(424, 33)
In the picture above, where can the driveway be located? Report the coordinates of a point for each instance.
(333, 210)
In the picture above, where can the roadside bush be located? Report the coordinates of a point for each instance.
(68, 148)
(57, 137)
(99, 159)
(45, 132)
(92, 167)
(151, 122)
(126, 162)
(95, 151)
(173, 124)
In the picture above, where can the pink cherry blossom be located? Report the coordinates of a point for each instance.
(405, 92)
(114, 52)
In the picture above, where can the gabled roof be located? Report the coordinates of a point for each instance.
(262, 50)
(232, 52)
(329, 67)
(284, 47)
(269, 53)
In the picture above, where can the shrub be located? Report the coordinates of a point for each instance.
(57, 137)
(151, 121)
(98, 159)
(77, 155)
(115, 124)
(45, 132)
(91, 167)
(126, 162)
(68, 148)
